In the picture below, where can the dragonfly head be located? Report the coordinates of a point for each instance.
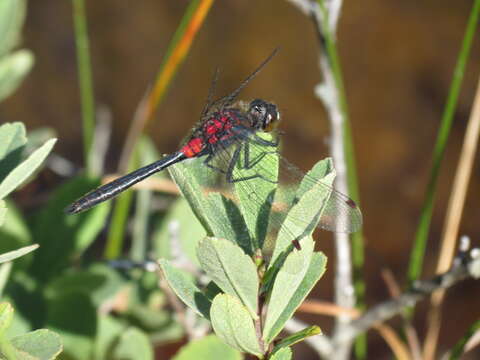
(265, 115)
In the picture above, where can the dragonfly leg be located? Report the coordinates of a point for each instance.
(231, 167)
(207, 161)
(258, 140)
(248, 163)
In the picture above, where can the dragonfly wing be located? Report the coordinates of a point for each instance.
(248, 170)
(337, 212)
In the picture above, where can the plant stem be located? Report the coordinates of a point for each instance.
(85, 79)
(458, 349)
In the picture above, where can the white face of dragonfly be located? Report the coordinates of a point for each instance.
(265, 114)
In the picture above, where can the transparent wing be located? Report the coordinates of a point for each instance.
(250, 166)
(339, 212)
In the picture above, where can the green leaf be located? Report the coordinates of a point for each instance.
(41, 344)
(25, 169)
(212, 290)
(109, 329)
(256, 211)
(233, 324)
(29, 303)
(99, 281)
(297, 337)
(219, 216)
(209, 347)
(63, 237)
(283, 301)
(282, 354)
(190, 231)
(3, 212)
(157, 319)
(6, 317)
(146, 154)
(13, 68)
(320, 170)
(37, 136)
(12, 137)
(233, 271)
(74, 317)
(12, 16)
(94, 222)
(286, 284)
(312, 201)
(17, 253)
(12, 143)
(15, 234)
(191, 190)
(171, 332)
(133, 344)
(183, 285)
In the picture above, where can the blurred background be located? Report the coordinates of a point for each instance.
(398, 59)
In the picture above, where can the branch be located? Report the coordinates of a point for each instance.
(325, 16)
(466, 266)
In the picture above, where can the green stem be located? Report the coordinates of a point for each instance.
(116, 231)
(85, 78)
(458, 349)
(418, 252)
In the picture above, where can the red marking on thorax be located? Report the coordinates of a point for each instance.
(193, 147)
(214, 129)
(218, 128)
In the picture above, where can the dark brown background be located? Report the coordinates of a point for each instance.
(398, 59)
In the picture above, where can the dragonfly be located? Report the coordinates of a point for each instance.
(228, 133)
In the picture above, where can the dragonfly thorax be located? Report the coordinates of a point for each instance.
(218, 128)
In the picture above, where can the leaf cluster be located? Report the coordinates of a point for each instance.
(257, 290)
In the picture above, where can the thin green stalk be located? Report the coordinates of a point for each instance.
(352, 181)
(418, 251)
(458, 349)
(116, 231)
(85, 78)
(138, 250)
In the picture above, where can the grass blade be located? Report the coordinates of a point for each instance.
(85, 78)
(418, 251)
(177, 50)
(459, 347)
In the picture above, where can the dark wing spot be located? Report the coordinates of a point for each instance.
(296, 243)
(351, 203)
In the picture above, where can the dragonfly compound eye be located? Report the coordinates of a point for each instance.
(265, 114)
